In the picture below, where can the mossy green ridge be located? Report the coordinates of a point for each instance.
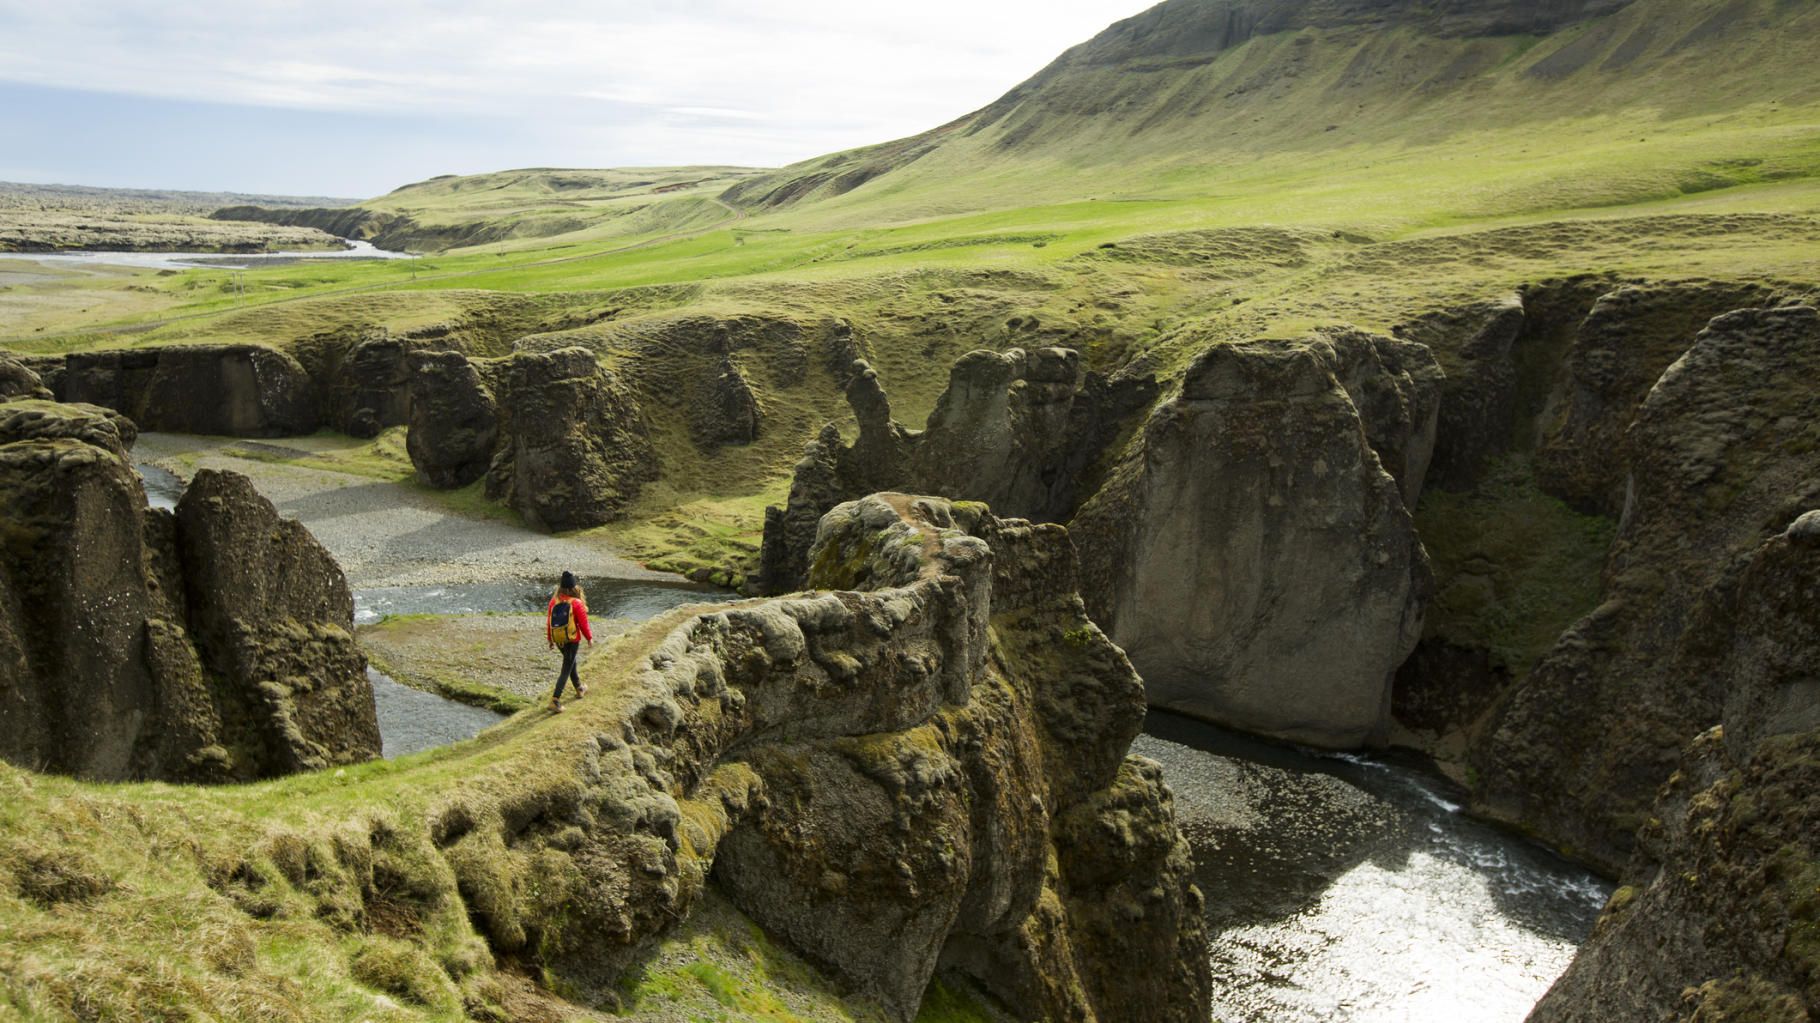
(458, 884)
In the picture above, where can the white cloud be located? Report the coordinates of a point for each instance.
(629, 82)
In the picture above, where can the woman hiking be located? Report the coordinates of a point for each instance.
(565, 626)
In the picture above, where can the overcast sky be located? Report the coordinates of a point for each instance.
(356, 97)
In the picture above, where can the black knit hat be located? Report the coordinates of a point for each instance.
(568, 580)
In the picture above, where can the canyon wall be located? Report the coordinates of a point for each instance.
(214, 643)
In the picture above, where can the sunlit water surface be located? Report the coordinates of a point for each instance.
(1352, 890)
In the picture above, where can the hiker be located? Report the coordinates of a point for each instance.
(565, 626)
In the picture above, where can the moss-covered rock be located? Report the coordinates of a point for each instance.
(209, 645)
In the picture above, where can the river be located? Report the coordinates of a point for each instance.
(196, 260)
(1352, 889)
(1340, 889)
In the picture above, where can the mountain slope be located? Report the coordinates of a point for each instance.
(1175, 100)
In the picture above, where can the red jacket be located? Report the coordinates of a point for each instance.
(578, 609)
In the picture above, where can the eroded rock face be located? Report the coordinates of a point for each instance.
(1020, 430)
(1621, 348)
(1716, 915)
(228, 390)
(1252, 554)
(18, 380)
(369, 388)
(208, 646)
(269, 608)
(573, 446)
(923, 767)
(1724, 452)
(556, 437)
(725, 411)
(454, 420)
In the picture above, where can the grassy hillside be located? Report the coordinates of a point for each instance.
(1158, 189)
(1195, 96)
(319, 897)
(515, 210)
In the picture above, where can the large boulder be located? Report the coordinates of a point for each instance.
(1251, 552)
(17, 380)
(207, 646)
(227, 390)
(454, 420)
(1723, 452)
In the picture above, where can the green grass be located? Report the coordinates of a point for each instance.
(1513, 566)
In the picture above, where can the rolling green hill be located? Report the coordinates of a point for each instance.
(517, 209)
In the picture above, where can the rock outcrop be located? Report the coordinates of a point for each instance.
(573, 445)
(1723, 453)
(1621, 348)
(366, 388)
(18, 380)
(226, 390)
(1252, 552)
(882, 856)
(210, 645)
(1022, 431)
(1717, 916)
(454, 420)
(724, 411)
(557, 437)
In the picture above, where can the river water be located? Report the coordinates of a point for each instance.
(195, 260)
(1347, 889)
(1340, 889)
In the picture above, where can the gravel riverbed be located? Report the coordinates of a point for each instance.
(388, 534)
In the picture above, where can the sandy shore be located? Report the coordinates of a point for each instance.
(393, 534)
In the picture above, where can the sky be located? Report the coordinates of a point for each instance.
(352, 98)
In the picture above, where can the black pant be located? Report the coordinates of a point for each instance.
(568, 669)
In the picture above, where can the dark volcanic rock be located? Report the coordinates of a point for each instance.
(454, 420)
(725, 411)
(1019, 430)
(1252, 554)
(136, 645)
(977, 810)
(1716, 918)
(270, 609)
(228, 390)
(19, 381)
(1628, 338)
(574, 448)
(369, 389)
(1724, 452)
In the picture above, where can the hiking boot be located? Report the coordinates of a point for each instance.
(580, 690)
(555, 705)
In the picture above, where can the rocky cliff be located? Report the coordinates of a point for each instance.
(557, 438)
(1019, 430)
(1721, 454)
(1253, 553)
(211, 644)
(1721, 902)
(354, 381)
(920, 769)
